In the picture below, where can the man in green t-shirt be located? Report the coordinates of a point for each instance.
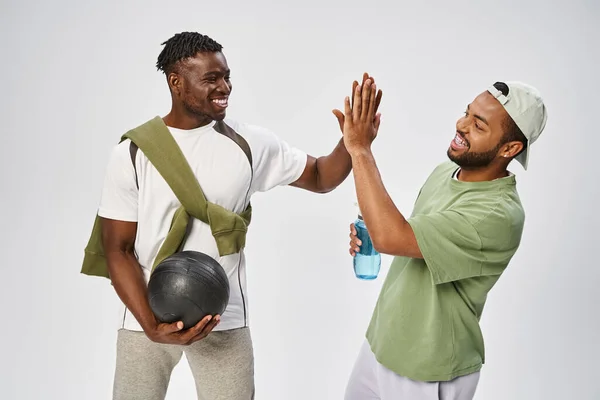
(424, 340)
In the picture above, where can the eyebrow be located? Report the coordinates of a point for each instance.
(216, 72)
(479, 117)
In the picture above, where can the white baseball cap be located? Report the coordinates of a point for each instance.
(525, 106)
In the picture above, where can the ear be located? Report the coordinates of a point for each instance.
(511, 149)
(175, 82)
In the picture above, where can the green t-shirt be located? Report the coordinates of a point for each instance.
(425, 325)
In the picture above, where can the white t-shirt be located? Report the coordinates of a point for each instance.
(224, 173)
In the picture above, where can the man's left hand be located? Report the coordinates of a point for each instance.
(340, 115)
(361, 122)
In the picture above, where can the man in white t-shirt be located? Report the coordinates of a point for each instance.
(137, 207)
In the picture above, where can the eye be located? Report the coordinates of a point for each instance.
(478, 126)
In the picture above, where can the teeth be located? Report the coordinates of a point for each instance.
(220, 101)
(459, 141)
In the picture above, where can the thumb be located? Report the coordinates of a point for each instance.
(175, 326)
(377, 121)
(340, 117)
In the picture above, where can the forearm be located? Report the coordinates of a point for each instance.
(333, 169)
(128, 280)
(383, 219)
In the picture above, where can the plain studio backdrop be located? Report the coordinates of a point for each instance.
(76, 75)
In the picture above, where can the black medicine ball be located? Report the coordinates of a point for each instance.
(188, 286)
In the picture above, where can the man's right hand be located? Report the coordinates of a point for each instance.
(355, 242)
(118, 239)
(172, 333)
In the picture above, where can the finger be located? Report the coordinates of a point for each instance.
(353, 229)
(347, 110)
(354, 239)
(378, 100)
(206, 330)
(371, 112)
(340, 117)
(366, 94)
(215, 321)
(356, 109)
(365, 77)
(196, 329)
(354, 85)
(355, 242)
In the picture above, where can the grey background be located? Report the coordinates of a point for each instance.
(76, 75)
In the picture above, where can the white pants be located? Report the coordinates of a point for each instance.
(370, 380)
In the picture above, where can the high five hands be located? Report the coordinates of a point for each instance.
(360, 121)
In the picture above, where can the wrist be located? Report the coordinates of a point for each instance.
(360, 152)
(149, 324)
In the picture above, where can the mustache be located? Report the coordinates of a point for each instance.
(462, 136)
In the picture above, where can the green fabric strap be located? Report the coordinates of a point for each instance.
(158, 145)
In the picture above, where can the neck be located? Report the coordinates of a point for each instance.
(181, 119)
(480, 175)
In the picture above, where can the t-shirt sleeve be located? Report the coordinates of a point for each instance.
(276, 162)
(456, 245)
(119, 199)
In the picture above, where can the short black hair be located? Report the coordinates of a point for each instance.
(512, 132)
(184, 45)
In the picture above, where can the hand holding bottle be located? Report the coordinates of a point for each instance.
(367, 260)
(355, 242)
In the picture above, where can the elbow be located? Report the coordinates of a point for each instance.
(324, 189)
(320, 186)
(393, 242)
(382, 248)
(116, 255)
(380, 243)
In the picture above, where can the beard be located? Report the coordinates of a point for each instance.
(200, 109)
(471, 159)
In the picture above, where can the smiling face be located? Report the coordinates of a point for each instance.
(201, 86)
(480, 135)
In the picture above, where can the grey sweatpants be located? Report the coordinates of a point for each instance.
(222, 365)
(370, 380)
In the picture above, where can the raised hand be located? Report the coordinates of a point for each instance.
(340, 115)
(361, 121)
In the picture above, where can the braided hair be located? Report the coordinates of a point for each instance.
(184, 45)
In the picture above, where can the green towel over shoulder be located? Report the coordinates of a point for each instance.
(228, 228)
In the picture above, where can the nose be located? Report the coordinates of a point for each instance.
(463, 125)
(224, 86)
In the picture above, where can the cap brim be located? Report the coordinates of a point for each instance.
(523, 158)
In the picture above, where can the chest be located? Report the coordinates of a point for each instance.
(219, 165)
(435, 197)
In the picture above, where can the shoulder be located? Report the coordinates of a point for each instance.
(121, 151)
(120, 162)
(251, 132)
(494, 214)
(441, 172)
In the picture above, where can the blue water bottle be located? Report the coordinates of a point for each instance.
(367, 261)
